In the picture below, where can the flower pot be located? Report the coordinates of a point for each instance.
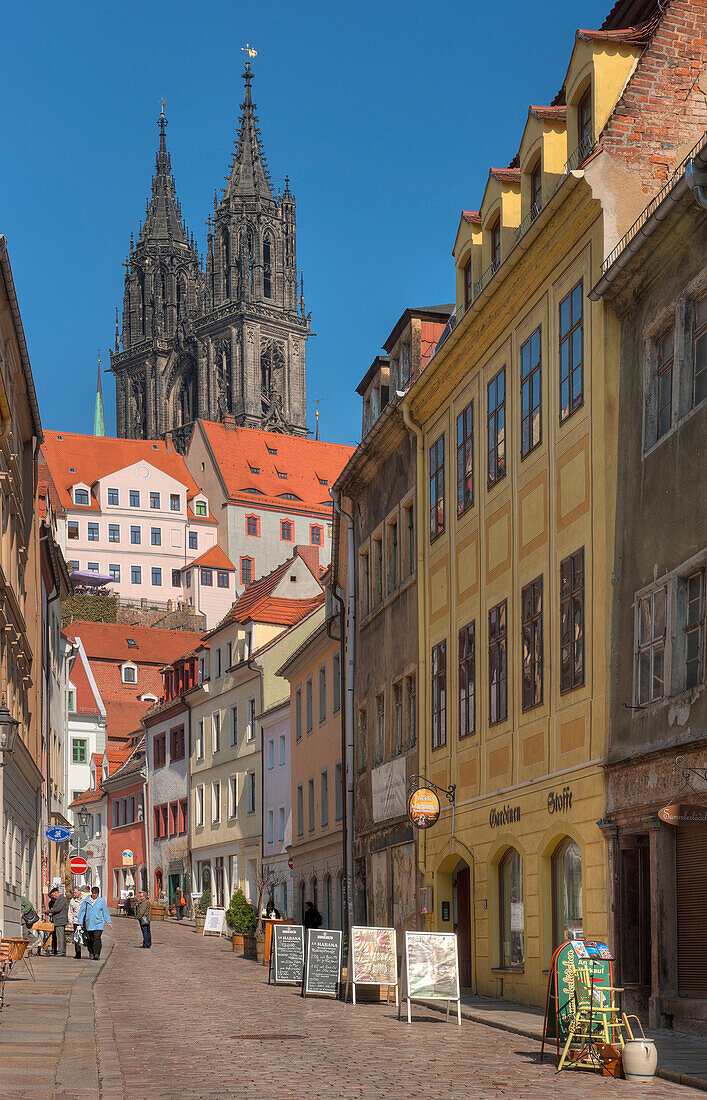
(200, 921)
(157, 912)
(237, 941)
(640, 1060)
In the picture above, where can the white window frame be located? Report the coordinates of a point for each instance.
(199, 806)
(271, 754)
(252, 717)
(216, 732)
(215, 801)
(281, 824)
(232, 797)
(282, 751)
(653, 644)
(251, 793)
(271, 826)
(199, 740)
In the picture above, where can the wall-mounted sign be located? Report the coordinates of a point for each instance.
(388, 790)
(684, 813)
(128, 858)
(57, 833)
(78, 865)
(445, 910)
(423, 807)
(506, 816)
(558, 803)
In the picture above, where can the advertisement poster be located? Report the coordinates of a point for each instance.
(388, 790)
(432, 965)
(374, 956)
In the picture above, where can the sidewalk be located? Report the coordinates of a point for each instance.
(49, 1024)
(681, 1058)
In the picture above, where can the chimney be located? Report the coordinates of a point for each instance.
(168, 441)
(309, 555)
(229, 421)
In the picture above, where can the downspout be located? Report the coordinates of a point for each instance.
(347, 724)
(416, 429)
(696, 180)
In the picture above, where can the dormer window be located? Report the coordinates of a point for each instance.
(81, 496)
(272, 450)
(467, 283)
(584, 122)
(496, 244)
(254, 469)
(536, 192)
(148, 698)
(129, 673)
(281, 475)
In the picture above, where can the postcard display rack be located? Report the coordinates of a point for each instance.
(560, 998)
(374, 960)
(431, 970)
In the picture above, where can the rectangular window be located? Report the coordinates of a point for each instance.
(247, 565)
(250, 727)
(411, 714)
(409, 536)
(155, 536)
(298, 715)
(650, 654)
(200, 508)
(379, 744)
(79, 751)
(215, 801)
(159, 750)
(377, 555)
(300, 811)
(176, 744)
(397, 718)
(131, 809)
(250, 789)
(325, 798)
(336, 683)
(183, 815)
(113, 497)
(72, 529)
(156, 575)
(316, 535)
(234, 726)
(694, 629)
(271, 826)
(207, 578)
(310, 803)
(135, 538)
(175, 502)
(531, 602)
(173, 818)
(281, 823)
(193, 540)
(572, 622)
(467, 680)
(176, 578)
(216, 731)
(154, 500)
(252, 525)
(465, 459)
(93, 532)
(391, 552)
(498, 663)
(229, 656)
(116, 812)
(665, 382)
(530, 396)
(92, 566)
(467, 283)
(80, 496)
(233, 796)
(310, 718)
(699, 372)
(338, 793)
(437, 488)
(362, 749)
(136, 574)
(200, 740)
(134, 498)
(271, 754)
(571, 352)
(287, 530)
(439, 695)
(217, 656)
(281, 750)
(222, 578)
(496, 422)
(199, 805)
(365, 582)
(322, 694)
(113, 532)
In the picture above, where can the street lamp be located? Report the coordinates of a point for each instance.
(84, 818)
(8, 733)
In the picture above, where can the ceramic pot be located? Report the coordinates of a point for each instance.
(640, 1059)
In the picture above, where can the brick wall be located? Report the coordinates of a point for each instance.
(663, 110)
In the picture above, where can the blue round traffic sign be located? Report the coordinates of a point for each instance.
(57, 833)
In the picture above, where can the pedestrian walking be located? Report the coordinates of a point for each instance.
(78, 933)
(179, 903)
(93, 916)
(144, 912)
(30, 916)
(59, 916)
(312, 916)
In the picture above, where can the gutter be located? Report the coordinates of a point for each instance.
(694, 178)
(22, 343)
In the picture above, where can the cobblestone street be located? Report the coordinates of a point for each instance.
(191, 1019)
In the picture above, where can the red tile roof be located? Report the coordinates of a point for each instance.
(549, 113)
(472, 216)
(214, 558)
(85, 699)
(257, 604)
(306, 462)
(88, 796)
(506, 175)
(93, 457)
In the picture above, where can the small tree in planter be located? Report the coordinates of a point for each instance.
(240, 918)
(204, 902)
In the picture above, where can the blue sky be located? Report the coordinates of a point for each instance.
(386, 117)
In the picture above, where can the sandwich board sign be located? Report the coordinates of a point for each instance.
(215, 922)
(560, 998)
(287, 954)
(374, 959)
(322, 968)
(432, 969)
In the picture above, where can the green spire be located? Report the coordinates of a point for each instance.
(99, 420)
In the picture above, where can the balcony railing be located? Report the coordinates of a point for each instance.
(580, 154)
(486, 277)
(529, 219)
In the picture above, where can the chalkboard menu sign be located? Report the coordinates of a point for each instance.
(322, 972)
(288, 953)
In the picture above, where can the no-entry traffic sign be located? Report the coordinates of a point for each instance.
(290, 863)
(78, 865)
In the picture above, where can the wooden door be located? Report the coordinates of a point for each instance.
(464, 925)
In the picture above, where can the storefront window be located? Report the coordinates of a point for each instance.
(567, 891)
(512, 913)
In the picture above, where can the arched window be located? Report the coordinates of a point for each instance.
(496, 243)
(584, 121)
(267, 267)
(159, 882)
(566, 891)
(510, 884)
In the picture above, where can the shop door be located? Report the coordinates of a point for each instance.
(173, 887)
(691, 899)
(463, 884)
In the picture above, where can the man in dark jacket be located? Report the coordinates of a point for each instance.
(143, 914)
(312, 916)
(59, 916)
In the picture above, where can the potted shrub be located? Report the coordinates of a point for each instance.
(200, 908)
(240, 918)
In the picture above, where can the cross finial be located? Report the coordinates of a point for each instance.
(162, 102)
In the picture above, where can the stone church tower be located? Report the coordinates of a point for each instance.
(224, 339)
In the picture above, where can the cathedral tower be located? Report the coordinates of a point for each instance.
(227, 340)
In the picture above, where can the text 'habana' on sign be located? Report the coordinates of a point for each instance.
(558, 803)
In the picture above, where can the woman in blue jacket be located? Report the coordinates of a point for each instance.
(94, 916)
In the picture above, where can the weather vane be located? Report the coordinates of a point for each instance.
(249, 50)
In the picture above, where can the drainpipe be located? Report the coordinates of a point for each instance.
(347, 731)
(696, 180)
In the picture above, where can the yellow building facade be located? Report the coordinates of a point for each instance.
(516, 419)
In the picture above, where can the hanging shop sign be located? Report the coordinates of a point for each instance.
(322, 972)
(57, 833)
(287, 954)
(128, 858)
(423, 807)
(684, 813)
(507, 815)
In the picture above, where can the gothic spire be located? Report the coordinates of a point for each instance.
(99, 420)
(163, 221)
(249, 172)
